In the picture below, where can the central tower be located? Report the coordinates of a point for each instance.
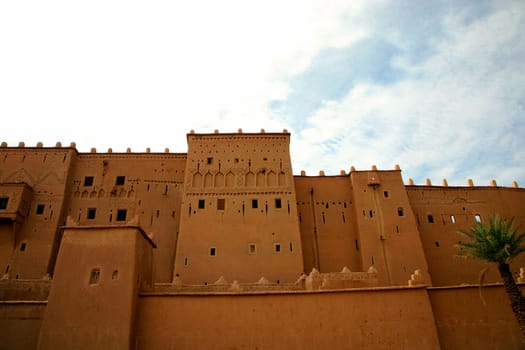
(238, 214)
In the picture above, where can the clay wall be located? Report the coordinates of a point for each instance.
(20, 323)
(45, 171)
(357, 319)
(327, 223)
(443, 211)
(145, 185)
(238, 216)
(92, 301)
(464, 322)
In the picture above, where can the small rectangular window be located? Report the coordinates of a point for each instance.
(88, 181)
(252, 248)
(452, 219)
(202, 203)
(477, 217)
(220, 203)
(3, 202)
(120, 180)
(277, 247)
(385, 194)
(436, 243)
(213, 251)
(400, 211)
(95, 276)
(209, 160)
(255, 203)
(22, 247)
(186, 261)
(121, 214)
(91, 213)
(291, 247)
(40, 209)
(430, 219)
(278, 203)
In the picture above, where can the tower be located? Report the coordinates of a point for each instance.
(238, 214)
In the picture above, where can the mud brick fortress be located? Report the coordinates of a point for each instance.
(223, 247)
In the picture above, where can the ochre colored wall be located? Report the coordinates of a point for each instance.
(464, 322)
(152, 191)
(440, 236)
(327, 222)
(239, 240)
(367, 319)
(20, 322)
(84, 312)
(46, 172)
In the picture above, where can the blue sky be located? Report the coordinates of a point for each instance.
(437, 87)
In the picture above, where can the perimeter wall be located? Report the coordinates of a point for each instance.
(391, 318)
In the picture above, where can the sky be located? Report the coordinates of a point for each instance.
(437, 87)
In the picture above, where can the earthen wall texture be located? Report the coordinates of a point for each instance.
(467, 318)
(20, 323)
(387, 319)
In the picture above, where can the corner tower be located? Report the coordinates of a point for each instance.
(238, 214)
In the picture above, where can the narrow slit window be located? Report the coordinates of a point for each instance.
(186, 261)
(94, 276)
(437, 244)
(40, 209)
(3, 202)
(452, 219)
(385, 194)
(291, 246)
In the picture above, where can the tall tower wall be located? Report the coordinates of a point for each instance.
(239, 213)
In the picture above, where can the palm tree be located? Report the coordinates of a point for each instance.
(499, 243)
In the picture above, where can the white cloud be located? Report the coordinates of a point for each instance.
(455, 114)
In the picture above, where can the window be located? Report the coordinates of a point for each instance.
(3, 202)
(291, 247)
(22, 247)
(430, 219)
(252, 248)
(114, 275)
(220, 203)
(277, 247)
(278, 203)
(213, 251)
(452, 219)
(477, 217)
(91, 213)
(436, 243)
(255, 203)
(209, 160)
(95, 276)
(202, 203)
(40, 209)
(88, 181)
(400, 211)
(385, 194)
(121, 214)
(121, 180)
